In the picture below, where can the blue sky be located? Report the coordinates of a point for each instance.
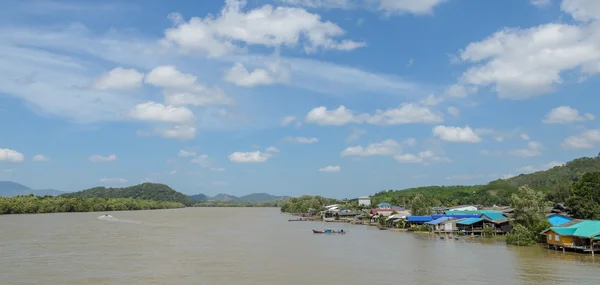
(340, 98)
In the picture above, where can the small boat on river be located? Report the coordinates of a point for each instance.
(328, 231)
(298, 220)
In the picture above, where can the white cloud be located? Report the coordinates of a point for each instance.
(113, 180)
(422, 157)
(302, 140)
(431, 100)
(356, 134)
(9, 155)
(40, 158)
(407, 113)
(185, 153)
(119, 79)
(196, 95)
(533, 149)
(587, 139)
(524, 136)
(328, 4)
(521, 63)
(99, 158)
(456, 90)
(271, 149)
(203, 160)
(387, 147)
(417, 7)
(456, 134)
(453, 111)
(566, 115)
(287, 120)
(535, 168)
(152, 111)
(169, 76)
(330, 168)
(248, 157)
(173, 172)
(274, 73)
(181, 132)
(217, 169)
(266, 25)
(540, 3)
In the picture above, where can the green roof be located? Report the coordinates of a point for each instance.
(585, 229)
(469, 221)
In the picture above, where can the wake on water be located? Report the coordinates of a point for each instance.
(113, 219)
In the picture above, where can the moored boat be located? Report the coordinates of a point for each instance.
(328, 231)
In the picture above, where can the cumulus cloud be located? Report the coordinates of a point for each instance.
(152, 111)
(456, 90)
(408, 113)
(431, 100)
(389, 7)
(533, 149)
(330, 168)
(119, 79)
(303, 140)
(540, 3)
(169, 76)
(271, 149)
(40, 158)
(248, 157)
(273, 73)
(387, 147)
(453, 111)
(203, 160)
(587, 139)
(9, 155)
(422, 157)
(181, 132)
(266, 26)
(100, 158)
(542, 167)
(456, 134)
(566, 115)
(521, 63)
(185, 153)
(287, 120)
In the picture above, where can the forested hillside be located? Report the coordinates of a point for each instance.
(145, 191)
(555, 183)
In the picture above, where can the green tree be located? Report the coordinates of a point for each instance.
(529, 216)
(584, 204)
(420, 206)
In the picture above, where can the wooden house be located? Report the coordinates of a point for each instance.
(582, 236)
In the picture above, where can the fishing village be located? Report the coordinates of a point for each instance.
(465, 221)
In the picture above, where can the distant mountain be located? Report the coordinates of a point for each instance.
(262, 197)
(200, 197)
(9, 189)
(145, 191)
(225, 198)
(253, 198)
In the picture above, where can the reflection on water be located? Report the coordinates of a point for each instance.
(259, 246)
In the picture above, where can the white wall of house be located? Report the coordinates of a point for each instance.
(364, 201)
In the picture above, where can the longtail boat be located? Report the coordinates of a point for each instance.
(328, 231)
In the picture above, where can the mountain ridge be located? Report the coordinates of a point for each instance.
(10, 189)
(250, 198)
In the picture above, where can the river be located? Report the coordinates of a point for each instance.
(259, 246)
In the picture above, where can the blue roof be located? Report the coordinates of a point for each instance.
(456, 216)
(494, 216)
(557, 220)
(384, 204)
(437, 221)
(419, 218)
(470, 221)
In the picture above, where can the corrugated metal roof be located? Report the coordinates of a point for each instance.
(419, 218)
(437, 221)
(456, 216)
(494, 216)
(469, 221)
(585, 229)
(558, 220)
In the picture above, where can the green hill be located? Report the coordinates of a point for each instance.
(555, 182)
(145, 191)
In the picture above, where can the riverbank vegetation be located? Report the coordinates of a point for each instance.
(48, 204)
(239, 204)
(305, 203)
(529, 218)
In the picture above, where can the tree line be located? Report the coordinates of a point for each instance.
(48, 204)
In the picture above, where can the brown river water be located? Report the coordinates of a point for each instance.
(259, 246)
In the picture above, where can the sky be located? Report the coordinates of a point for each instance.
(340, 98)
